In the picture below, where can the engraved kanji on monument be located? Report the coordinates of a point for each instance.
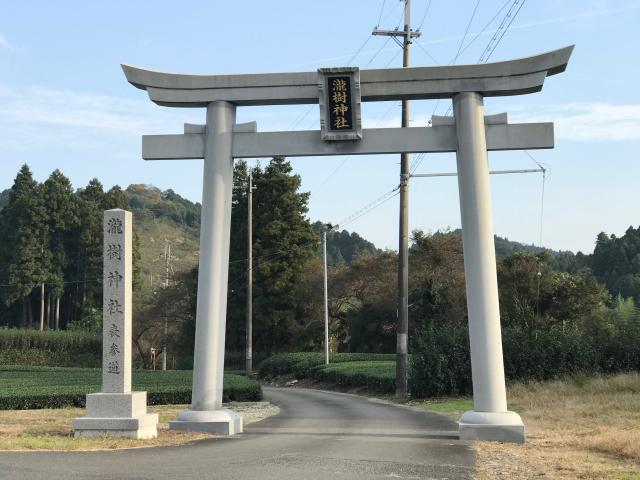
(117, 411)
(116, 310)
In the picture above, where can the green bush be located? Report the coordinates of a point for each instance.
(37, 357)
(52, 387)
(50, 347)
(440, 362)
(375, 371)
(379, 376)
(68, 341)
(303, 364)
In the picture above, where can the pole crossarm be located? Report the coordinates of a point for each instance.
(513, 77)
(523, 136)
(491, 172)
(395, 33)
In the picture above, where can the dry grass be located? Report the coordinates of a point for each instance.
(51, 429)
(581, 428)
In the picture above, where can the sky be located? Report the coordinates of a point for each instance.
(64, 102)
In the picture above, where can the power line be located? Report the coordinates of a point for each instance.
(464, 37)
(330, 176)
(433, 59)
(313, 123)
(260, 256)
(306, 113)
(381, 10)
(425, 15)
(501, 28)
(359, 50)
(491, 46)
(466, 32)
(6, 285)
(484, 29)
(255, 267)
(370, 206)
(497, 37)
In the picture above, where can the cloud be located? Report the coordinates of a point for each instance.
(585, 122)
(4, 43)
(578, 121)
(36, 115)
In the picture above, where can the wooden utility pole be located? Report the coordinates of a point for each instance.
(403, 240)
(327, 228)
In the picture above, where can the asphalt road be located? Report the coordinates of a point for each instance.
(317, 435)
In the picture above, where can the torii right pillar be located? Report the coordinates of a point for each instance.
(489, 419)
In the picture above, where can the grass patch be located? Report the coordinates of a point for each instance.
(455, 407)
(577, 427)
(57, 387)
(51, 429)
(451, 407)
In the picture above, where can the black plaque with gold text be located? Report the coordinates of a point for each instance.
(340, 103)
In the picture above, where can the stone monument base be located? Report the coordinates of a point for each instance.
(117, 415)
(498, 426)
(222, 422)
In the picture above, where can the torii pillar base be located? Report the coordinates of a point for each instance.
(496, 426)
(222, 422)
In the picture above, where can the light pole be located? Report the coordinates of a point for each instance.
(249, 313)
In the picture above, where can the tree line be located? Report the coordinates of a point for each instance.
(51, 262)
(539, 289)
(51, 253)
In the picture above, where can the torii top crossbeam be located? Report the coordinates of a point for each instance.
(513, 77)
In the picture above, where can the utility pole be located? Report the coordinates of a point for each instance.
(327, 228)
(167, 266)
(403, 243)
(249, 320)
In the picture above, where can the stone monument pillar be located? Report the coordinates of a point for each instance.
(490, 419)
(117, 411)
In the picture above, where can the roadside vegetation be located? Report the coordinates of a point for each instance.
(61, 348)
(577, 427)
(374, 372)
(51, 429)
(53, 387)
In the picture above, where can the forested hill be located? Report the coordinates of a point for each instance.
(165, 222)
(505, 247)
(164, 218)
(166, 215)
(343, 247)
(4, 198)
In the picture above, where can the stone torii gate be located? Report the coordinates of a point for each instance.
(470, 134)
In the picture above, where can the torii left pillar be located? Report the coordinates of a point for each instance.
(206, 413)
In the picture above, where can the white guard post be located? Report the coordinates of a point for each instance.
(469, 134)
(117, 411)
